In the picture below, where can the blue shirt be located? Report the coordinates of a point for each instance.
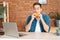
(33, 25)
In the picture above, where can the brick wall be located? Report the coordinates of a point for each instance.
(59, 5)
(52, 6)
(19, 10)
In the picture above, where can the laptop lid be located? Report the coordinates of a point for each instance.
(10, 29)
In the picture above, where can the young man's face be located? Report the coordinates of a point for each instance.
(37, 9)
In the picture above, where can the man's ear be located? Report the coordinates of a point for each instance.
(41, 9)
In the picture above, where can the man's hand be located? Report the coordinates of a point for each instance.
(40, 17)
(33, 16)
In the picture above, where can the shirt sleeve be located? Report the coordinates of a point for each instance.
(47, 21)
(28, 20)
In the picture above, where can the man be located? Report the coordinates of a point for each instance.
(38, 22)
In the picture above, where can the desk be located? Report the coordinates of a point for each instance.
(35, 36)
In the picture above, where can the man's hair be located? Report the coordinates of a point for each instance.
(36, 4)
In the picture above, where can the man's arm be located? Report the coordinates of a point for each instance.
(46, 23)
(28, 26)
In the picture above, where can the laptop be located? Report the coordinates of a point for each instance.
(10, 29)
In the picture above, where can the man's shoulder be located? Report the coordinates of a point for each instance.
(29, 17)
(45, 15)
